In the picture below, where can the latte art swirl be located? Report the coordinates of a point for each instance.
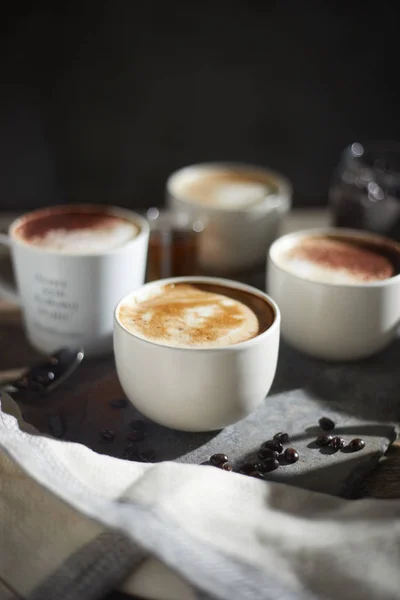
(191, 316)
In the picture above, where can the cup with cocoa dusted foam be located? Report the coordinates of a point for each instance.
(338, 291)
(196, 353)
(72, 264)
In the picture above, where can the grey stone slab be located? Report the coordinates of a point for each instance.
(363, 399)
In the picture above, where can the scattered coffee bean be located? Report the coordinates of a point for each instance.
(131, 452)
(326, 424)
(270, 464)
(256, 475)
(107, 435)
(356, 444)
(43, 377)
(22, 383)
(337, 443)
(138, 425)
(273, 445)
(147, 456)
(291, 455)
(226, 467)
(265, 453)
(135, 436)
(218, 459)
(247, 468)
(323, 440)
(281, 437)
(121, 403)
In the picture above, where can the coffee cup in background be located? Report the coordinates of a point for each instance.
(338, 291)
(241, 204)
(72, 265)
(196, 353)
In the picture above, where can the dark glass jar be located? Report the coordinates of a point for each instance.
(173, 244)
(365, 190)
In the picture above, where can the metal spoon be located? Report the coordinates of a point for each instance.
(46, 376)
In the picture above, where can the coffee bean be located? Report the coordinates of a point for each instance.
(273, 445)
(281, 437)
(131, 452)
(256, 475)
(291, 455)
(43, 377)
(356, 444)
(218, 459)
(337, 443)
(138, 425)
(326, 424)
(265, 453)
(270, 464)
(135, 436)
(147, 456)
(22, 383)
(323, 440)
(121, 403)
(107, 435)
(247, 468)
(226, 467)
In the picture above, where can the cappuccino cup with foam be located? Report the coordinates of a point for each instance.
(72, 264)
(196, 353)
(242, 206)
(338, 291)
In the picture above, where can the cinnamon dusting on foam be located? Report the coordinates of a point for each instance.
(193, 316)
(76, 230)
(337, 261)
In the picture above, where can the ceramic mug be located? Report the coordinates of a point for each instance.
(235, 239)
(196, 389)
(68, 299)
(335, 321)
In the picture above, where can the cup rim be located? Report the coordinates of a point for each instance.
(285, 188)
(338, 232)
(212, 280)
(141, 222)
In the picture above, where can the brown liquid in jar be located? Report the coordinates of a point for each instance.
(173, 252)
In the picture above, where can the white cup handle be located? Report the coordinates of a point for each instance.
(8, 292)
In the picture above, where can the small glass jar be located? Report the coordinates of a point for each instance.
(365, 190)
(173, 244)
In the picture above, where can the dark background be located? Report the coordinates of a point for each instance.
(101, 101)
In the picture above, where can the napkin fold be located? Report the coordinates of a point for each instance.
(75, 524)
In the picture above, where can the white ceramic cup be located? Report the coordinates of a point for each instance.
(69, 299)
(197, 389)
(334, 321)
(234, 239)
